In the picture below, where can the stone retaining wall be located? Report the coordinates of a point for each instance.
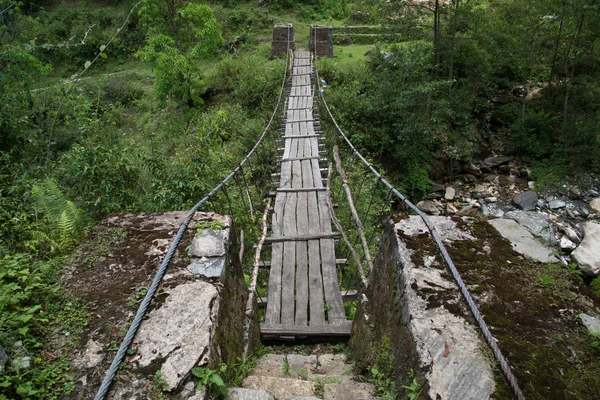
(413, 323)
(197, 317)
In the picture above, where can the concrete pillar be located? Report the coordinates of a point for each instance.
(282, 34)
(323, 36)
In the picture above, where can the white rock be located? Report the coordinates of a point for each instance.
(450, 193)
(587, 254)
(571, 234)
(450, 209)
(93, 355)
(591, 323)
(178, 333)
(595, 205)
(566, 244)
(210, 243)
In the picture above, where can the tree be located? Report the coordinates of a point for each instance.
(178, 75)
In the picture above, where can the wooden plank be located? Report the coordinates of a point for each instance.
(347, 296)
(342, 329)
(297, 238)
(335, 307)
(305, 189)
(338, 261)
(315, 279)
(289, 247)
(301, 246)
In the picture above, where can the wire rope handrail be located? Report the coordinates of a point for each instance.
(436, 237)
(143, 308)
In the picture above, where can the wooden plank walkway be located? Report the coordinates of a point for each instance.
(304, 297)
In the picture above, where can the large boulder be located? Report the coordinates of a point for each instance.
(587, 254)
(496, 161)
(416, 303)
(535, 222)
(526, 201)
(522, 241)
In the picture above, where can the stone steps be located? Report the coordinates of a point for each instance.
(300, 377)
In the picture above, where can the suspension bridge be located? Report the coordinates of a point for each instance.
(303, 294)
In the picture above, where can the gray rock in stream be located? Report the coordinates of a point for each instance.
(535, 222)
(526, 201)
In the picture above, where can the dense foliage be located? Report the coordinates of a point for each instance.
(462, 73)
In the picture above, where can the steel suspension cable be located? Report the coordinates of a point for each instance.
(512, 380)
(133, 328)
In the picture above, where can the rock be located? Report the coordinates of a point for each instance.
(491, 199)
(21, 359)
(450, 193)
(576, 193)
(271, 365)
(595, 205)
(566, 244)
(556, 204)
(428, 207)
(591, 323)
(484, 208)
(280, 387)
(450, 209)
(535, 222)
(335, 365)
(401, 296)
(178, 333)
(3, 358)
(593, 193)
(496, 161)
(188, 389)
(358, 390)
(248, 394)
(587, 254)
(93, 355)
(209, 243)
(469, 178)
(300, 366)
(480, 191)
(584, 212)
(433, 196)
(522, 241)
(471, 169)
(526, 201)
(571, 234)
(200, 394)
(213, 267)
(492, 178)
(437, 189)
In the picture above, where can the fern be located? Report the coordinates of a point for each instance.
(65, 221)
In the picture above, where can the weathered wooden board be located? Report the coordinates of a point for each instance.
(274, 331)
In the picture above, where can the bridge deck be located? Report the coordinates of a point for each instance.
(304, 297)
